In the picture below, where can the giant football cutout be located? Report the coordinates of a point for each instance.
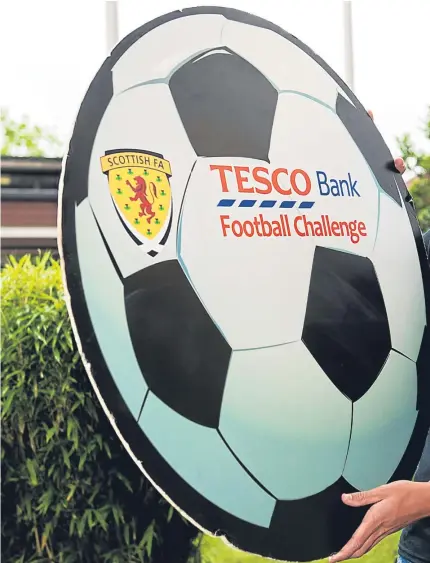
(247, 280)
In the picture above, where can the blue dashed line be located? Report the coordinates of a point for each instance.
(267, 203)
(247, 203)
(287, 204)
(226, 202)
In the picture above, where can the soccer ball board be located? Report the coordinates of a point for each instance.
(246, 280)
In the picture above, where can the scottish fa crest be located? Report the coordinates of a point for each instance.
(140, 190)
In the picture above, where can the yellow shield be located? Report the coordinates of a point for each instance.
(140, 188)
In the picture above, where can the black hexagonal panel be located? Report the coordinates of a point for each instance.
(346, 327)
(182, 355)
(226, 105)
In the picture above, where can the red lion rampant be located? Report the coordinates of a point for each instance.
(142, 192)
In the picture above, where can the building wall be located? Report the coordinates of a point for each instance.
(29, 192)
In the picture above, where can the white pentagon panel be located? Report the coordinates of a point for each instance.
(285, 420)
(309, 138)
(199, 455)
(301, 74)
(156, 55)
(255, 303)
(156, 127)
(102, 286)
(397, 266)
(382, 424)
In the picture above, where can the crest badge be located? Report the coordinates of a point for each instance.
(140, 189)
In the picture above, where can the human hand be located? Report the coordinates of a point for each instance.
(398, 162)
(394, 506)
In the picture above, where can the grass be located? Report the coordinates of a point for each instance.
(213, 550)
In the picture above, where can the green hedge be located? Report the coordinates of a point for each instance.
(69, 490)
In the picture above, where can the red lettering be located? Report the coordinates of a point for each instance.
(237, 225)
(262, 180)
(256, 225)
(222, 170)
(298, 181)
(267, 227)
(242, 179)
(275, 183)
(362, 229)
(309, 226)
(248, 228)
(296, 228)
(224, 225)
(344, 228)
(296, 188)
(335, 228)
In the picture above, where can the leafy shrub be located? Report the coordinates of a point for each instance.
(70, 491)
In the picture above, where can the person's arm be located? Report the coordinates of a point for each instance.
(394, 507)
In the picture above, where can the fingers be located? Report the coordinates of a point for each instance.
(361, 541)
(372, 541)
(400, 165)
(356, 551)
(363, 498)
(370, 112)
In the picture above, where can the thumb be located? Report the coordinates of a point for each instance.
(363, 498)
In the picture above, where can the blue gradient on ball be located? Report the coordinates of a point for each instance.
(199, 455)
(104, 296)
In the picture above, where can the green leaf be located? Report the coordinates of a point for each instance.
(45, 535)
(90, 518)
(72, 525)
(125, 481)
(81, 525)
(57, 356)
(101, 519)
(94, 493)
(7, 403)
(70, 427)
(31, 472)
(66, 459)
(107, 449)
(148, 537)
(72, 489)
(126, 532)
(50, 433)
(21, 138)
(82, 461)
(170, 513)
(116, 516)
